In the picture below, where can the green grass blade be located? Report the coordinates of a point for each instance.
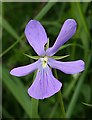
(34, 102)
(77, 90)
(53, 110)
(82, 18)
(43, 12)
(64, 46)
(89, 105)
(9, 28)
(19, 91)
(83, 29)
(32, 57)
(69, 88)
(60, 57)
(60, 99)
(51, 23)
(12, 32)
(34, 108)
(8, 49)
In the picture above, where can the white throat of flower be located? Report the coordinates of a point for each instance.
(44, 61)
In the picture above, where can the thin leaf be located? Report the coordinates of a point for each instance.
(8, 49)
(64, 46)
(47, 45)
(35, 103)
(83, 29)
(69, 88)
(32, 57)
(60, 57)
(53, 110)
(19, 91)
(89, 105)
(74, 98)
(34, 108)
(12, 32)
(8, 28)
(45, 9)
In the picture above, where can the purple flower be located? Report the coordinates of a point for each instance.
(45, 84)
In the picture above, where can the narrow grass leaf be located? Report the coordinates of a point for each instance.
(83, 29)
(89, 105)
(19, 92)
(76, 93)
(34, 108)
(45, 9)
(9, 28)
(32, 57)
(60, 57)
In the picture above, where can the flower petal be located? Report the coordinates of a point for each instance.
(67, 31)
(72, 67)
(45, 84)
(24, 70)
(36, 36)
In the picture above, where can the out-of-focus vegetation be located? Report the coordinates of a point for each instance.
(77, 89)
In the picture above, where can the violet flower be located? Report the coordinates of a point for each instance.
(45, 84)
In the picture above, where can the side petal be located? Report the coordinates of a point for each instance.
(45, 85)
(72, 67)
(67, 31)
(36, 36)
(24, 70)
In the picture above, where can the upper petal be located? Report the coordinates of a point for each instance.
(45, 84)
(24, 70)
(36, 36)
(67, 31)
(72, 67)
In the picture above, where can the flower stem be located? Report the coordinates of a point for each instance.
(60, 99)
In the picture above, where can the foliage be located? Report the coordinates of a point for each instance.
(76, 88)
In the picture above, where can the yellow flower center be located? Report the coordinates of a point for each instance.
(44, 61)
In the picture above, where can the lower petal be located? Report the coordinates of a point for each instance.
(45, 84)
(72, 67)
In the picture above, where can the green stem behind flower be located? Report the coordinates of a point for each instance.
(60, 99)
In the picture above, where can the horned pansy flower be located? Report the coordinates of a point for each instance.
(45, 84)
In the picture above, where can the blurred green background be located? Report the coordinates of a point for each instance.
(76, 88)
